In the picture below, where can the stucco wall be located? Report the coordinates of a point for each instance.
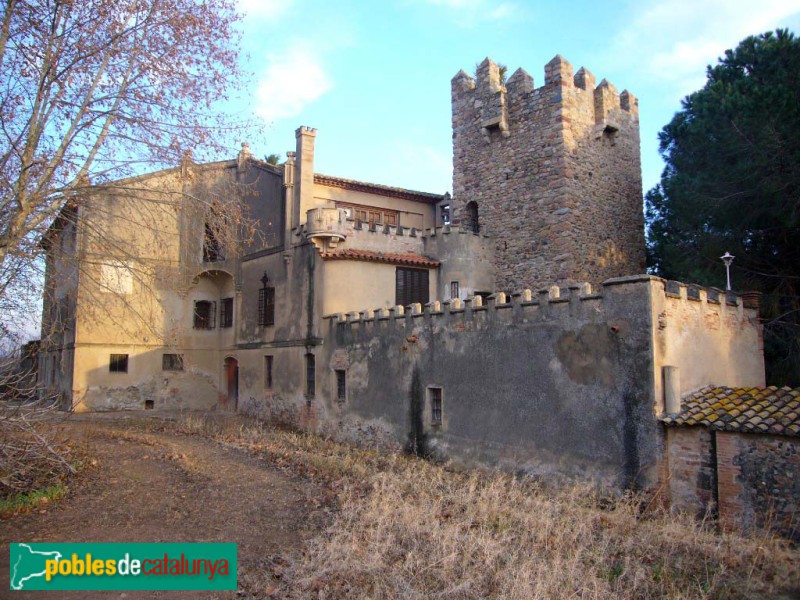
(709, 339)
(552, 386)
(96, 388)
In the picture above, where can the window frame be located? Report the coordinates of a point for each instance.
(408, 290)
(266, 306)
(169, 364)
(311, 376)
(226, 313)
(118, 363)
(436, 406)
(341, 385)
(209, 321)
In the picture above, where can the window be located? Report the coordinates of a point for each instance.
(411, 285)
(205, 312)
(435, 395)
(444, 212)
(472, 223)
(311, 375)
(341, 385)
(454, 291)
(370, 214)
(118, 363)
(172, 362)
(266, 303)
(268, 372)
(212, 249)
(226, 313)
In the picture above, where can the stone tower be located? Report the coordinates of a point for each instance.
(552, 173)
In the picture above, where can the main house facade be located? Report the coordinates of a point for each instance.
(509, 324)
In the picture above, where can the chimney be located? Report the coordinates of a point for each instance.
(304, 174)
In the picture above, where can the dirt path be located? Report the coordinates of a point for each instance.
(161, 487)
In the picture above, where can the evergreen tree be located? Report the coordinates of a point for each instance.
(732, 183)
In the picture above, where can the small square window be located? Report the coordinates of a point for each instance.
(341, 385)
(118, 363)
(454, 290)
(172, 362)
(435, 396)
(268, 372)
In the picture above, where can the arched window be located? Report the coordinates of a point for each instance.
(472, 223)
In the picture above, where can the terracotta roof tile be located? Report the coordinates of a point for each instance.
(760, 410)
(413, 260)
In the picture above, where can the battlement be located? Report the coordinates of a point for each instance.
(498, 301)
(324, 224)
(491, 94)
(552, 173)
(577, 301)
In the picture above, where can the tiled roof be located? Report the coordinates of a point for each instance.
(414, 260)
(376, 188)
(748, 410)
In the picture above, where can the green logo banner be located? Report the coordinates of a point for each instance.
(87, 566)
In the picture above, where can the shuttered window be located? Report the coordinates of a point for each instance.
(411, 286)
(266, 306)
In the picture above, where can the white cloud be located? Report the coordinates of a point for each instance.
(674, 40)
(291, 80)
(264, 9)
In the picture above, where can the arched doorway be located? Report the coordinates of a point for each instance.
(232, 383)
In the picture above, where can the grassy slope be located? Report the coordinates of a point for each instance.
(406, 528)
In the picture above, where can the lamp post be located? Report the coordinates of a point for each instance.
(727, 259)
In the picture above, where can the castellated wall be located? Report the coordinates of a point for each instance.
(555, 172)
(554, 383)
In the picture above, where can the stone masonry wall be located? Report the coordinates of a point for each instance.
(759, 482)
(555, 172)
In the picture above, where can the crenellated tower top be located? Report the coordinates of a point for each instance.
(552, 173)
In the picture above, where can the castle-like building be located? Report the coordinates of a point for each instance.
(510, 323)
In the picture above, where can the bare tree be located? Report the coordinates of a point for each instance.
(94, 93)
(95, 90)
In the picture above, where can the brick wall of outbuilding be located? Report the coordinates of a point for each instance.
(757, 478)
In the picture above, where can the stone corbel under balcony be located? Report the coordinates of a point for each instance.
(326, 227)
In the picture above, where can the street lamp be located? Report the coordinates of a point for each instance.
(727, 259)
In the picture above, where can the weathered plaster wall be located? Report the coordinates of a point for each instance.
(464, 257)
(95, 388)
(350, 285)
(552, 386)
(709, 339)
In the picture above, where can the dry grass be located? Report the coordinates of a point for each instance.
(406, 528)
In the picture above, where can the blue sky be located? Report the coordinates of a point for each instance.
(374, 77)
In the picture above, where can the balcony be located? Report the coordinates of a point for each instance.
(326, 227)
